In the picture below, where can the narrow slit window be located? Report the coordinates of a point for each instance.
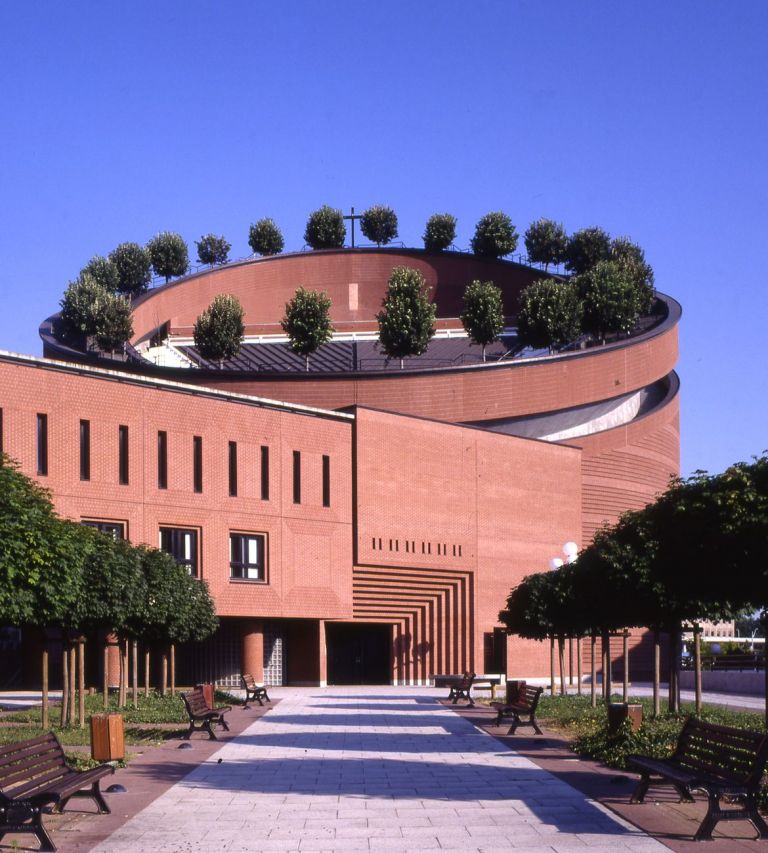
(122, 455)
(264, 473)
(326, 480)
(233, 469)
(42, 445)
(197, 464)
(1, 432)
(85, 450)
(162, 460)
(296, 477)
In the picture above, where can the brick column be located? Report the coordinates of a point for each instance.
(322, 655)
(252, 660)
(113, 661)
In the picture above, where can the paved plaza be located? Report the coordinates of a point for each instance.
(370, 769)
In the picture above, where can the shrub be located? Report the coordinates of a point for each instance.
(265, 238)
(218, 331)
(586, 248)
(495, 236)
(549, 314)
(133, 266)
(440, 232)
(325, 229)
(169, 254)
(379, 224)
(102, 271)
(212, 249)
(546, 242)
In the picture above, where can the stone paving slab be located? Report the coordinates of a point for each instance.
(386, 769)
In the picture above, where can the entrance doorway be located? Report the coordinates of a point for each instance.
(358, 653)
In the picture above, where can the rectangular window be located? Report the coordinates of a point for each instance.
(181, 544)
(115, 529)
(265, 473)
(326, 480)
(197, 464)
(85, 450)
(42, 445)
(162, 460)
(122, 455)
(296, 477)
(233, 469)
(247, 556)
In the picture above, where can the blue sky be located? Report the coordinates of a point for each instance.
(649, 119)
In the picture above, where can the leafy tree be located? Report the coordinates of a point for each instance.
(631, 258)
(102, 271)
(440, 232)
(495, 236)
(483, 314)
(134, 268)
(219, 330)
(212, 249)
(379, 224)
(609, 299)
(265, 238)
(549, 315)
(546, 242)
(586, 248)
(168, 254)
(114, 324)
(407, 318)
(81, 305)
(325, 229)
(307, 322)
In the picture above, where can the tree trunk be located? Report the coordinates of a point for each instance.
(46, 706)
(483, 353)
(697, 666)
(64, 686)
(593, 674)
(579, 665)
(307, 362)
(570, 661)
(607, 673)
(105, 685)
(164, 674)
(765, 660)
(121, 690)
(173, 669)
(656, 673)
(673, 700)
(135, 673)
(146, 671)
(561, 660)
(72, 693)
(81, 678)
(625, 686)
(552, 665)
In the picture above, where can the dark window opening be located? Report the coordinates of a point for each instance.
(115, 529)
(326, 480)
(162, 460)
(85, 450)
(247, 556)
(122, 453)
(233, 469)
(42, 445)
(197, 463)
(296, 477)
(265, 473)
(181, 544)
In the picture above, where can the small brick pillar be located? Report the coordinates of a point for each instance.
(322, 655)
(252, 637)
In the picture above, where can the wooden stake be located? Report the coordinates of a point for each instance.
(72, 676)
(46, 706)
(146, 671)
(164, 675)
(81, 678)
(625, 687)
(135, 673)
(552, 665)
(65, 686)
(106, 675)
(579, 665)
(593, 674)
(697, 666)
(656, 673)
(173, 669)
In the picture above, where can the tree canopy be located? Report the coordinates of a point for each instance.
(307, 322)
(609, 300)
(549, 314)
(218, 331)
(483, 313)
(546, 242)
(440, 232)
(265, 238)
(213, 249)
(495, 236)
(87, 308)
(325, 229)
(379, 224)
(407, 317)
(586, 248)
(168, 254)
(103, 272)
(134, 268)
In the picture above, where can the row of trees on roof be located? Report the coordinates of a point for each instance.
(57, 574)
(697, 552)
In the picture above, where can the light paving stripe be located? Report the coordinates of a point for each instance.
(370, 768)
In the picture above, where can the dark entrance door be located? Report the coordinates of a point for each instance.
(358, 653)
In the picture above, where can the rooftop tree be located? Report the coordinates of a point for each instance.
(586, 248)
(483, 313)
(549, 314)
(609, 299)
(102, 271)
(440, 232)
(495, 236)
(134, 268)
(546, 242)
(325, 229)
(81, 305)
(213, 249)
(218, 331)
(114, 324)
(379, 224)
(168, 254)
(307, 322)
(407, 318)
(265, 238)
(631, 258)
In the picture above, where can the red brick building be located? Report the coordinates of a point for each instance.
(370, 528)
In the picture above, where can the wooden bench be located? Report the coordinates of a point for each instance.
(524, 706)
(722, 762)
(462, 689)
(201, 716)
(34, 774)
(253, 690)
